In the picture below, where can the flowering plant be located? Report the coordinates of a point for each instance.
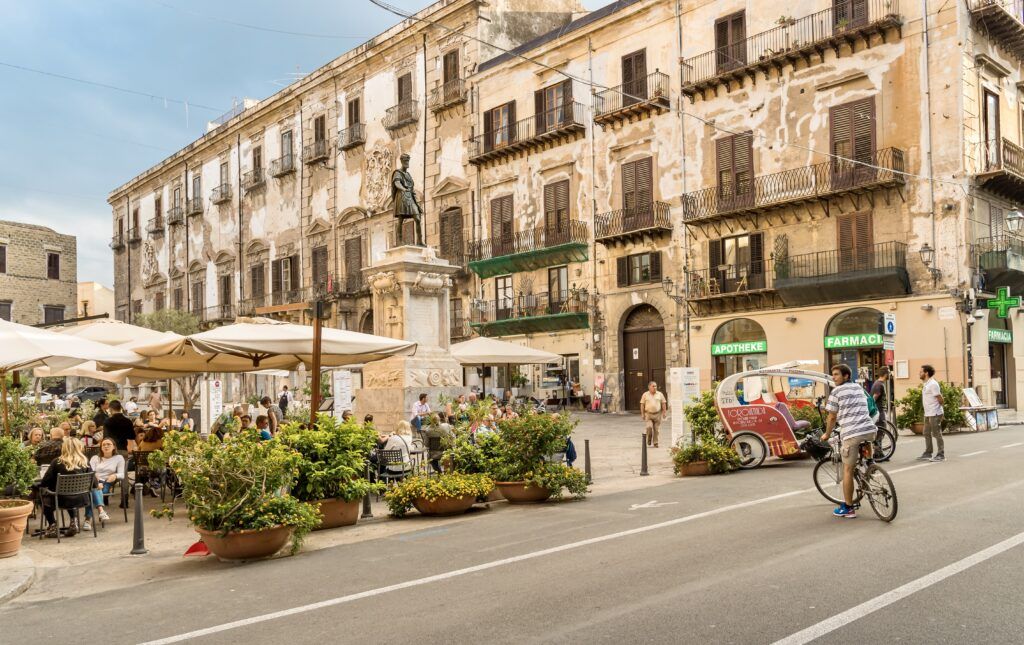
(400, 498)
(334, 457)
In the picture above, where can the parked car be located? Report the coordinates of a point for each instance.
(91, 393)
(45, 398)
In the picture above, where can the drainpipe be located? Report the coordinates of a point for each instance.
(128, 252)
(238, 183)
(188, 287)
(685, 231)
(334, 215)
(593, 207)
(423, 224)
(302, 202)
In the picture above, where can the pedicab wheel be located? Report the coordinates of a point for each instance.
(881, 493)
(885, 442)
(828, 479)
(750, 447)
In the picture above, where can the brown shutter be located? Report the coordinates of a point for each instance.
(655, 266)
(863, 117)
(644, 182)
(404, 88)
(489, 118)
(319, 134)
(451, 66)
(353, 262)
(629, 186)
(276, 283)
(513, 131)
(730, 48)
(496, 208)
(854, 240)
(743, 163)
(540, 120)
(353, 112)
(714, 256)
(567, 115)
(319, 264)
(756, 254)
(556, 211)
(622, 271)
(841, 130)
(724, 165)
(634, 77)
(295, 263)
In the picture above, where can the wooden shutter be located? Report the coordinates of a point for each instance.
(319, 261)
(501, 225)
(556, 212)
(540, 118)
(404, 88)
(996, 221)
(855, 241)
(655, 266)
(634, 77)
(715, 255)
(294, 266)
(256, 284)
(847, 14)
(320, 128)
(451, 234)
(637, 185)
(276, 282)
(622, 271)
(756, 258)
(353, 112)
(852, 135)
(730, 48)
(450, 66)
(734, 157)
(353, 263)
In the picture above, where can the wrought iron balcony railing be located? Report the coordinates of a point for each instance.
(545, 127)
(352, 137)
(194, 206)
(175, 215)
(991, 252)
(574, 232)
(155, 227)
(845, 274)
(884, 255)
(117, 242)
(883, 168)
(794, 39)
(218, 314)
(569, 301)
(221, 194)
(1001, 21)
(636, 96)
(254, 179)
(401, 115)
(134, 235)
(447, 95)
(628, 222)
(316, 151)
(282, 166)
(729, 279)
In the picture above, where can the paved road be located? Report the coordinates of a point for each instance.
(752, 557)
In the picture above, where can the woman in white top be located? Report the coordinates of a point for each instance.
(399, 441)
(109, 469)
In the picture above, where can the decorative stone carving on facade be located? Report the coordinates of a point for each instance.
(390, 378)
(379, 162)
(430, 282)
(434, 378)
(383, 282)
(149, 263)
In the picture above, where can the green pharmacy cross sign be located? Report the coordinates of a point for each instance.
(1003, 303)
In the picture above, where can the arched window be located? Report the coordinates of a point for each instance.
(854, 337)
(738, 345)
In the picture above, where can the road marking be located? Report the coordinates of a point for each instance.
(1014, 445)
(977, 452)
(651, 504)
(903, 470)
(899, 593)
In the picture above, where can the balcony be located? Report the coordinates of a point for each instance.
(525, 314)
(134, 236)
(448, 95)
(278, 301)
(632, 100)
(883, 169)
(221, 194)
(804, 39)
(282, 166)
(555, 126)
(455, 254)
(155, 227)
(352, 137)
(878, 271)
(216, 315)
(529, 250)
(117, 242)
(1001, 20)
(194, 206)
(175, 215)
(729, 288)
(401, 115)
(1001, 260)
(633, 223)
(254, 180)
(1002, 164)
(316, 152)
(460, 329)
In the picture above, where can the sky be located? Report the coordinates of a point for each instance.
(65, 145)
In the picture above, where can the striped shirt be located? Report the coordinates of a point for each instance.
(850, 403)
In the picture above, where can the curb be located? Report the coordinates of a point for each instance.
(16, 576)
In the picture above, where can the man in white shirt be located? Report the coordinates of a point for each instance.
(420, 410)
(653, 407)
(931, 398)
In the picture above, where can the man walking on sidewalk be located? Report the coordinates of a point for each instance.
(653, 407)
(931, 398)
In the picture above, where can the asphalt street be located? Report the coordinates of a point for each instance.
(751, 557)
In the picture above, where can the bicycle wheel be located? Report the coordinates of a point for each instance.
(828, 479)
(885, 445)
(880, 492)
(891, 427)
(751, 448)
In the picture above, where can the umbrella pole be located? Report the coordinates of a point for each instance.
(314, 399)
(3, 387)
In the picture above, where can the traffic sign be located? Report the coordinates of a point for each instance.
(889, 326)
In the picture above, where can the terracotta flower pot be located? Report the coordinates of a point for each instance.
(494, 495)
(695, 469)
(246, 545)
(337, 512)
(444, 505)
(522, 493)
(13, 516)
(917, 428)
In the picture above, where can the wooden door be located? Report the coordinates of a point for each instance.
(644, 362)
(734, 156)
(855, 241)
(852, 134)
(730, 42)
(634, 77)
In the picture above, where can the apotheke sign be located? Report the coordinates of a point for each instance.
(853, 340)
(749, 347)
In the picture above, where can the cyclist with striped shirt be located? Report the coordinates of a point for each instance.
(847, 406)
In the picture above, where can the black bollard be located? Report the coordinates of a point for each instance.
(586, 460)
(138, 536)
(643, 455)
(367, 511)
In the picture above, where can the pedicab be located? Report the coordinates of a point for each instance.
(754, 408)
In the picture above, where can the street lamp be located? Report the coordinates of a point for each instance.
(1014, 219)
(671, 289)
(927, 258)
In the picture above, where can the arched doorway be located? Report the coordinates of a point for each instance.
(738, 345)
(366, 327)
(1001, 363)
(855, 337)
(643, 352)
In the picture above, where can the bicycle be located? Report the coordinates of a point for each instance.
(869, 478)
(885, 438)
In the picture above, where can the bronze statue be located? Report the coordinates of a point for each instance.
(406, 206)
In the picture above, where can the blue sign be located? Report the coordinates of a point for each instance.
(800, 382)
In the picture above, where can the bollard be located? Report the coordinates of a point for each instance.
(643, 455)
(367, 511)
(138, 536)
(586, 460)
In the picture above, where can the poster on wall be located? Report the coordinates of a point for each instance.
(342, 390)
(683, 389)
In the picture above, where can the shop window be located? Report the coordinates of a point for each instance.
(739, 345)
(854, 337)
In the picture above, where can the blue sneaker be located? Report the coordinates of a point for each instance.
(844, 511)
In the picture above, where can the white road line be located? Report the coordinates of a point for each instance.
(1014, 445)
(977, 452)
(899, 593)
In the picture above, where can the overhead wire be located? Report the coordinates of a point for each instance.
(259, 27)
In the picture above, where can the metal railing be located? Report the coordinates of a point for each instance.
(451, 93)
(248, 306)
(1012, 8)
(218, 313)
(1001, 154)
(117, 242)
(175, 215)
(569, 301)
(652, 88)
(402, 114)
(155, 226)
(884, 255)
(807, 182)
(289, 297)
(351, 137)
(983, 249)
(727, 279)
(194, 206)
(792, 36)
(316, 151)
(282, 165)
(134, 235)
(629, 220)
(575, 232)
(254, 179)
(557, 120)
(221, 194)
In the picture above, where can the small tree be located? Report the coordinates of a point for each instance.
(183, 323)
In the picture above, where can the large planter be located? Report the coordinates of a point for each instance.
(522, 493)
(337, 512)
(917, 428)
(444, 505)
(13, 516)
(494, 495)
(246, 545)
(695, 469)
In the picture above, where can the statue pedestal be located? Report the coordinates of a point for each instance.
(410, 286)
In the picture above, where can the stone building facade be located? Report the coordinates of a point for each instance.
(38, 274)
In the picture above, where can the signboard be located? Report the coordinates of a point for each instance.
(853, 340)
(636, 353)
(1000, 336)
(683, 389)
(1003, 303)
(889, 344)
(890, 357)
(889, 325)
(947, 313)
(216, 398)
(342, 391)
(747, 347)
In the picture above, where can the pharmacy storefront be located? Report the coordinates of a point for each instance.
(854, 337)
(738, 345)
(1000, 356)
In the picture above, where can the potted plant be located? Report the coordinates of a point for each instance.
(702, 415)
(233, 492)
(17, 472)
(706, 456)
(450, 493)
(911, 411)
(332, 467)
(522, 465)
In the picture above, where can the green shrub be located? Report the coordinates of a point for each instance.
(702, 416)
(720, 458)
(17, 470)
(911, 407)
(400, 497)
(333, 460)
(807, 413)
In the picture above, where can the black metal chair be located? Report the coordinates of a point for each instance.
(68, 485)
(386, 458)
(92, 451)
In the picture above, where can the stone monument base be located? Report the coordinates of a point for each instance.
(392, 386)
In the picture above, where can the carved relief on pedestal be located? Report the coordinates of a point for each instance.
(379, 162)
(383, 282)
(390, 378)
(435, 378)
(430, 282)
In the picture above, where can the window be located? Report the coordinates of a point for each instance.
(450, 67)
(320, 128)
(225, 291)
(257, 281)
(5, 311)
(501, 226)
(855, 241)
(179, 299)
(736, 263)
(158, 301)
(503, 297)
(286, 144)
(637, 186)
(456, 317)
(353, 263)
(847, 14)
(634, 77)
(53, 266)
(52, 314)
(990, 122)
(558, 287)
(319, 262)
(734, 156)
(353, 111)
(730, 48)
(852, 134)
(257, 158)
(284, 274)
(198, 290)
(553, 106)
(404, 88)
(499, 126)
(135, 221)
(3, 258)
(158, 208)
(641, 268)
(136, 307)
(556, 213)
(197, 186)
(451, 235)
(177, 196)
(223, 173)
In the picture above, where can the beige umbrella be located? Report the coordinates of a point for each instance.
(108, 332)
(488, 351)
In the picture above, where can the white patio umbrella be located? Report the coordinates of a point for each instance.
(108, 332)
(488, 351)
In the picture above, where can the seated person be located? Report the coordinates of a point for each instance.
(151, 439)
(70, 462)
(35, 437)
(50, 450)
(399, 440)
(247, 422)
(263, 426)
(186, 422)
(109, 468)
